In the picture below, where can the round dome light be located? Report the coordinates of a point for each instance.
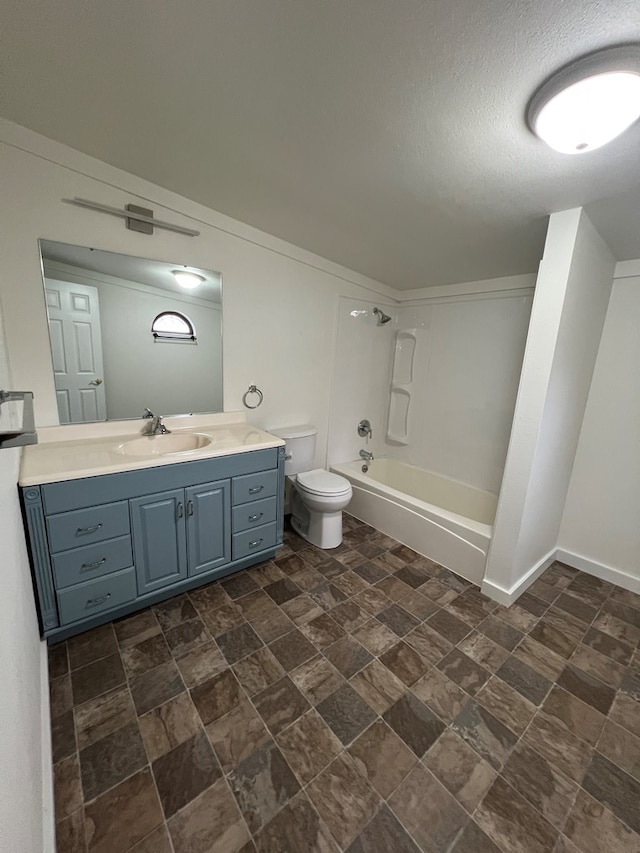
(188, 280)
(589, 103)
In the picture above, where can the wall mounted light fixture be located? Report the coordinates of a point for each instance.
(188, 280)
(589, 102)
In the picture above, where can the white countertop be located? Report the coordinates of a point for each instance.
(92, 449)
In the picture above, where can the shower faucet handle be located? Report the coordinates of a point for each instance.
(364, 428)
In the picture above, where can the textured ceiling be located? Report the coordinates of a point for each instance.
(386, 136)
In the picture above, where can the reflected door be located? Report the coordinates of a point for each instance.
(76, 344)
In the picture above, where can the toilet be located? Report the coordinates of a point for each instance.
(317, 496)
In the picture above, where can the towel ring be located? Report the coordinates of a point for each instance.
(253, 389)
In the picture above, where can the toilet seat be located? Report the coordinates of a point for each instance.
(321, 482)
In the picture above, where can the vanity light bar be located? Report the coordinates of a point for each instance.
(130, 214)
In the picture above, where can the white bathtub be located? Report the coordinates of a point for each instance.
(445, 520)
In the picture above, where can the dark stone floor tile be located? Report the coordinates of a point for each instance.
(506, 704)
(103, 715)
(156, 686)
(440, 694)
(57, 660)
(328, 596)
(308, 745)
(590, 589)
(282, 590)
(501, 633)
(157, 842)
(346, 713)
(617, 790)
(350, 615)
(626, 712)
(593, 828)
(553, 638)
(586, 687)
(60, 695)
(572, 713)
(413, 576)
(322, 631)
(217, 696)
(96, 678)
(373, 600)
(383, 757)
(145, 655)
(517, 617)
(438, 592)
(393, 588)
(63, 738)
(383, 833)
(257, 671)
(70, 833)
(370, 572)
(525, 680)
(350, 583)
(107, 762)
(485, 733)
(174, 611)
(292, 649)
(474, 840)
(472, 607)
(585, 612)
(185, 772)
(123, 816)
(599, 666)
(541, 589)
(631, 684)
(571, 626)
(529, 601)
(238, 643)
(280, 705)
(343, 798)
(405, 663)
(237, 735)
(464, 671)
(186, 637)
(428, 811)
(429, 644)
(211, 823)
(608, 645)
(418, 605)
(290, 564)
(348, 656)
(91, 646)
(67, 787)
(132, 630)
(294, 829)
(375, 637)
(398, 620)
(540, 658)
(262, 785)
(269, 628)
(378, 686)
(508, 819)
(540, 783)
(209, 597)
(257, 604)
(239, 584)
(460, 769)
(316, 679)
(416, 724)
(560, 747)
(484, 651)
(621, 747)
(451, 628)
(169, 725)
(205, 661)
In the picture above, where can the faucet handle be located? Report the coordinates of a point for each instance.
(148, 413)
(364, 428)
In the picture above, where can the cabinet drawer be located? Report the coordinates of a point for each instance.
(254, 514)
(85, 526)
(85, 600)
(92, 561)
(250, 541)
(253, 487)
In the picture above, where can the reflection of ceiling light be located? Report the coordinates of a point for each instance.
(590, 102)
(189, 280)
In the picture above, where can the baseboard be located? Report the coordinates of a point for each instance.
(48, 809)
(599, 570)
(507, 597)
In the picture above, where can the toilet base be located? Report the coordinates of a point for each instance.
(322, 529)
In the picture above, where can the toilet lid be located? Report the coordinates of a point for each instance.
(321, 482)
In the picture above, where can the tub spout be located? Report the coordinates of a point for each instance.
(364, 454)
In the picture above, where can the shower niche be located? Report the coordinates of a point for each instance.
(401, 386)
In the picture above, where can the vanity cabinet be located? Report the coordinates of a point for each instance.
(104, 546)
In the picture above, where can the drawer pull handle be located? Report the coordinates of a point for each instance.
(256, 517)
(82, 530)
(93, 602)
(180, 510)
(95, 565)
(255, 543)
(255, 489)
(189, 507)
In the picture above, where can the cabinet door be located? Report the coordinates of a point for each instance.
(159, 539)
(208, 526)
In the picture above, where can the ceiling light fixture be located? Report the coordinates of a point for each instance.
(188, 280)
(590, 102)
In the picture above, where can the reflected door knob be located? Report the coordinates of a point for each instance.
(97, 381)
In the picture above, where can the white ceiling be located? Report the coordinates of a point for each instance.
(386, 136)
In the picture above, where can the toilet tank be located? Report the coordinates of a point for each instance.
(301, 447)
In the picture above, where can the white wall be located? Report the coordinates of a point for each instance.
(600, 526)
(570, 302)
(466, 370)
(169, 378)
(279, 301)
(25, 790)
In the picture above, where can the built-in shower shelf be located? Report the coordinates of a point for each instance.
(404, 356)
(402, 378)
(17, 425)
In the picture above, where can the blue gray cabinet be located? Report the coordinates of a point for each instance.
(102, 547)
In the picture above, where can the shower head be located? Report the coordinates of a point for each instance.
(382, 317)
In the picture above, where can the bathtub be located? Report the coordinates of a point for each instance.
(445, 520)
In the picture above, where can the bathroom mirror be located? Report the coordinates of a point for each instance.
(128, 333)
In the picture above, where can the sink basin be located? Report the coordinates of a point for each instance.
(164, 445)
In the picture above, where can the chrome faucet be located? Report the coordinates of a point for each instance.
(156, 427)
(365, 454)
